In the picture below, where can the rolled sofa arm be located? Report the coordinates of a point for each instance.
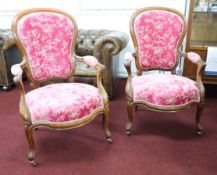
(6, 39)
(115, 41)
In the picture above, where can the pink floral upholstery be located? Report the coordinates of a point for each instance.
(47, 39)
(164, 89)
(157, 33)
(63, 102)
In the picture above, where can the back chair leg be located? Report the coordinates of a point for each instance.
(105, 126)
(199, 127)
(130, 118)
(31, 153)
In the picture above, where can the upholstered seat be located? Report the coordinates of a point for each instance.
(72, 102)
(165, 90)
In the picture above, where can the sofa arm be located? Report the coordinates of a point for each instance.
(95, 42)
(102, 44)
(114, 41)
(6, 38)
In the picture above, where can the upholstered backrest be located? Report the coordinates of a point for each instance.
(157, 34)
(47, 39)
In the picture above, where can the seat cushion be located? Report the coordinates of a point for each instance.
(164, 89)
(63, 102)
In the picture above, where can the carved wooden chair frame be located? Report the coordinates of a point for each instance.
(128, 89)
(17, 72)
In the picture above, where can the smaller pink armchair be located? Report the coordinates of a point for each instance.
(47, 38)
(157, 35)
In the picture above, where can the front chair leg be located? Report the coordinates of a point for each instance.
(199, 127)
(105, 126)
(31, 153)
(130, 118)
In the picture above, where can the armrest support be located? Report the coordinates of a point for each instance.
(128, 89)
(17, 72)
(93, 62)
(196, 59)
(128, 58)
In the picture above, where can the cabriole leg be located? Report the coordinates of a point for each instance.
(130, 118)
(31, 153)
(199, 127)
(105, 126)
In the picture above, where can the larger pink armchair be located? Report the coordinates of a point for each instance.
(157, 35)
(47, 38)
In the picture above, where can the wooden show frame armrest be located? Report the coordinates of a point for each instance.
(100, 69)
(128, 57)
(17, 72)
(196, 59)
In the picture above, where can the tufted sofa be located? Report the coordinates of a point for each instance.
(9, 55)
(105, 45)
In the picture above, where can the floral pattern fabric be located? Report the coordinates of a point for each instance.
(63, 102)
(164, 89)
(47, 39)
(157, 33)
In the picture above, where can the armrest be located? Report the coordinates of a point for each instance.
(196, 59)
(115, 41)
(17, 72)
(93, 62)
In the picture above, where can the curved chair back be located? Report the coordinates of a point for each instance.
(157, 34)
(46, 38)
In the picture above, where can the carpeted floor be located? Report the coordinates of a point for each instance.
(162, 143)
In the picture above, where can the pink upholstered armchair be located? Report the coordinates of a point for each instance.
(157, 35)
(47, 38)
